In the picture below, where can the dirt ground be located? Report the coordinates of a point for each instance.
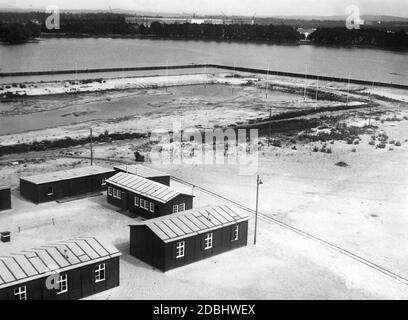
(360, 207)
(281, 266)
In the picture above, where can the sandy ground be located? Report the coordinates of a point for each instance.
(361, 207)
(281, 266)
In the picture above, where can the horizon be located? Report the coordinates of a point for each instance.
(269, 9)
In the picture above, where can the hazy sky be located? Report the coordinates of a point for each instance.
(237, 7)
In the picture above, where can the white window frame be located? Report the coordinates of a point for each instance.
(110, 191)
(180, 249)
(208, 241)
(143, 204)
(182, 207)
(117, 194)
(175, 208)
(100, 268)
(63, 283)
(103, 182)
(236, 233)
(152, 207)
(52, 191)
(137, 201)
(21, 293)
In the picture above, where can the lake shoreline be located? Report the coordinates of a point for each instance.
(45, 36)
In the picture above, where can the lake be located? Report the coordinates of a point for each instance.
(58, 54)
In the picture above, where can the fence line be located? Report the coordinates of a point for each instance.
(215, 66)
(25, 227)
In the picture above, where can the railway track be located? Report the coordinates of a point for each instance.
(271, 220)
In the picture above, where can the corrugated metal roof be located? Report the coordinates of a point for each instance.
(150, 189)
(196, 221)
(67, 174)
(63, 256)
(142, 171)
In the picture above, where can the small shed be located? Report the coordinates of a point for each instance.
(63, 184)
(67, 270)
(144, 197)
(145, 172)
(180, 239)
(5, 198)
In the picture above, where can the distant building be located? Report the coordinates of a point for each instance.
(62, 184)
(145, 172)
(5, 198)
(144, 197)
(35, 21)
(306, 31)
(186, 237)
(147, 21)
(215, 21)
(67, 270)
(199, 21)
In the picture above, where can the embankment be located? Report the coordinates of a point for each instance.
(217, 66)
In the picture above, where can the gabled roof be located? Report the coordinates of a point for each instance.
(142, 171)
(196, 221)
(144, 187)
(4, 187)
(67, 174)
(60, 257)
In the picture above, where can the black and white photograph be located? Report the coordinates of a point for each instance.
(202, 150)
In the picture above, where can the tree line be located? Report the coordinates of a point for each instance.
(16, 30)
(234, 32)
(363, 36)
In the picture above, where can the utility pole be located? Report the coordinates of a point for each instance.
(371, 105)
(267, 83)
(270, 126)
(232, 85)
(317, 93)
(258, 183)
(91, 148)
(304, 93)
(167, 75)
(205, 76)
(76, 78)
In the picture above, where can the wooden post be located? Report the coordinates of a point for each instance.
(167, 74)
(371, 105)
(91, 147)
(267, 83)
(270, 126)
(304, 93)
(258, 182)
